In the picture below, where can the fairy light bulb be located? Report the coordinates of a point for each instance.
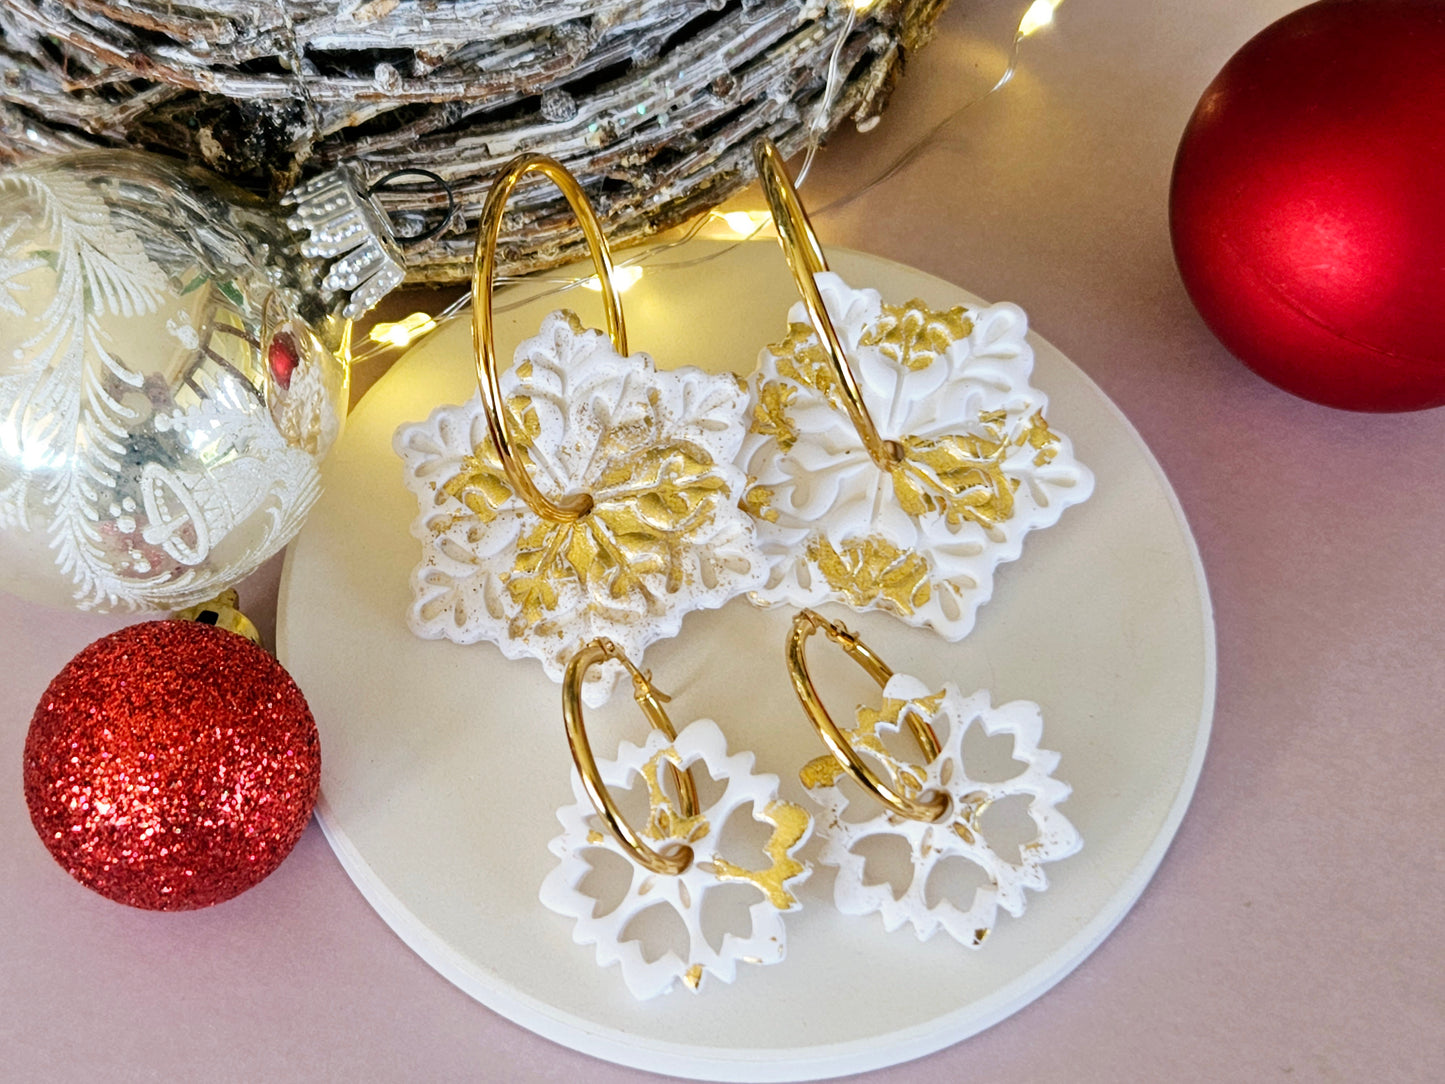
(623, 279)
(1039, 15)
(744, 223)
(402, 333)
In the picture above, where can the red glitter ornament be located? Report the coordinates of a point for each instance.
(1308, 204)
(171, 765)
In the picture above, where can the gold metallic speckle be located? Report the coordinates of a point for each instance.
(757, 502)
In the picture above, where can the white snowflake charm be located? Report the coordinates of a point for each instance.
(677, 859)
(935, 808)
(642, 524)
(897, 454)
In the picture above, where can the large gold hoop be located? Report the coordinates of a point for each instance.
(925, 807)
(678, 856)
(572, 507)
(805, 259)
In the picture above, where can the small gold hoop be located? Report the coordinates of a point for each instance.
(805, 623)
(805, 259)
(570, 508)
(678, 856)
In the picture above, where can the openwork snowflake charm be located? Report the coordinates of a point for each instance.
(669, 828)
(963, 463)
(653, 450)
(957, 832)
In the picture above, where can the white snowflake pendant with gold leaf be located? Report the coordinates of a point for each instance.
(981, 466)
(774, 873)
(959, 834)
(655, 449)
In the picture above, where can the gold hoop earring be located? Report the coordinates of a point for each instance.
(909, 509)
(650, 700)
(926, 807)
(805, 259)
(572, 507)
(938, 818)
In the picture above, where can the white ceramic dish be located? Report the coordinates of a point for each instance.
(443, 765)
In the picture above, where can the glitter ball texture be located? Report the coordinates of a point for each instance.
(171, 765)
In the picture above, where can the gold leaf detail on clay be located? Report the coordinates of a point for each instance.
(913, 335)
(770, 415)
(758, 502)
(790, 824)
(820, 772)
(802, 359)
(480, 484)
(872, 569)
(960, 476)
(1039, 436)
(969, 808)
(665, 820)
(647, 507)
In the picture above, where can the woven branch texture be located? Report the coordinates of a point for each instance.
(652, 103)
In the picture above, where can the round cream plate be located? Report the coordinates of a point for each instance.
(444, 765)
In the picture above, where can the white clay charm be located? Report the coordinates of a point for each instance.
(897, 454)
(977, 468)
(679, 856)
(958, 833)
(934, 806)
(582, 493)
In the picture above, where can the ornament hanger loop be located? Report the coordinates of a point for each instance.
(926, 807)
(805, 259)
(269, 320)
(677, 857)
(570, 508)
(440, 181)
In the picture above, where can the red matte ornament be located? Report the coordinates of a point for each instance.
(1307, 207)
(171, 765)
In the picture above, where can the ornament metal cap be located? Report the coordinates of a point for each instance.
(223, 612)
(344, 224)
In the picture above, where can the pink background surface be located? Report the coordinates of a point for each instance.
(1292, 931)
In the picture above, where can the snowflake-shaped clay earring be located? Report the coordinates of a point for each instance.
(645, 526)
(934, 807)
(897, 454)
(676, 858)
